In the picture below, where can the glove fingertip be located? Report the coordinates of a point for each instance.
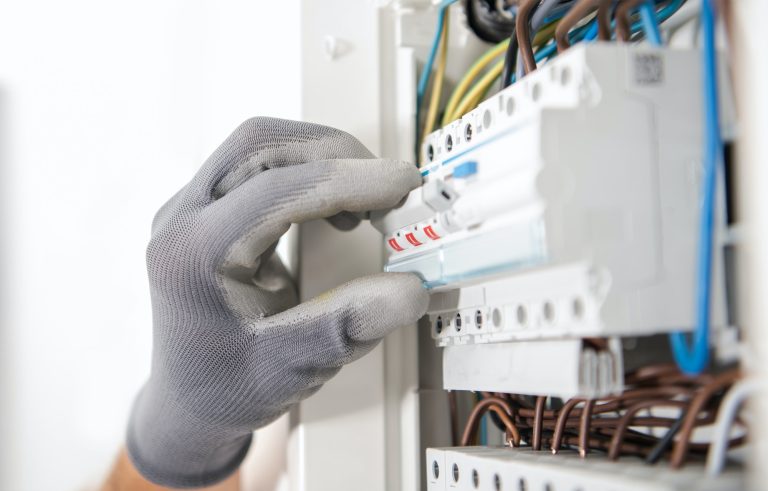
(407, 171)
(404, 299)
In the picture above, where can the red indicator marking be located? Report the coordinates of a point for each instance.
(394, 245)
(431, 233)
(412, 239)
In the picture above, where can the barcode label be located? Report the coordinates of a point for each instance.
(649, 68)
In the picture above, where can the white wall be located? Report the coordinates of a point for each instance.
(106, 109)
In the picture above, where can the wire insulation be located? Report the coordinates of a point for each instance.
(469, 76)
(437, 85)
(728, 410)
(694, 359)
(421, 87)
(650, 22)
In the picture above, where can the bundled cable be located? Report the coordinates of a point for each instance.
(611, 424)
(488, 21)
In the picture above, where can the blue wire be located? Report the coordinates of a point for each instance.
(591, 34)
(650, 22)
(694, 359)
(551, 48)
(424, 79)
(421, 88)
(669, 9)
(662, 15)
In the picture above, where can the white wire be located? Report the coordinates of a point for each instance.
(722, 428)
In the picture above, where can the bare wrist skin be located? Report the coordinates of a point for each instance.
(125, 477)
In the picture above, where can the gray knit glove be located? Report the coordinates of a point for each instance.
(232, 350)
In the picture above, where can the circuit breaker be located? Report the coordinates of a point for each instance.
(563, 208)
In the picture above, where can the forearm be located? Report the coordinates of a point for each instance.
(125, 477)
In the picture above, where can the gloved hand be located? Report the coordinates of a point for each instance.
(232, 351)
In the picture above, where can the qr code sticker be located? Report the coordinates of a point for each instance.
(649, 68)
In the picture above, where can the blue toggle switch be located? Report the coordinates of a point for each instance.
(465, 169)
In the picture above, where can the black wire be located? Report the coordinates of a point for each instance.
(661, 446)
(487, 22)
(510, 59)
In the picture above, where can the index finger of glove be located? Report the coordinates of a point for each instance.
(253, 216)
(262, 143)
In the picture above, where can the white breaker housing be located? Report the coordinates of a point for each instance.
(563, 208)
(494, 469)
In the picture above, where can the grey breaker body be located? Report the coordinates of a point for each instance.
(232, 350)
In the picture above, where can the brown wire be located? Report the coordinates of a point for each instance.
(590, 424)
(682, 379)
(651, 372)
(523, 30)
(597, 422)
(538, 421)
(655, 393)
(574, 15)
(599, 443)
(626, 419)
(502, 410)
(604, 21)
(562, 418)
(586, 418)
(500, 401)
(623, 29)
(720, 382)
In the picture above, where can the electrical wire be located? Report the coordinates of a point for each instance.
(421, 87)
(437, 85)
(502, 409)
(544, 14)
(586, 418)
(623, 24)
(658, 450)
(470, 98)
(695, 358)
(650, 22)
(683, 443)
(488, 20)
(629, 415)
(562, 419)
(543, 11)
(591, 424)
(538, 421)
(523, 32)
(469, 76)
(576, 14)
(727, 413)
(510, 60)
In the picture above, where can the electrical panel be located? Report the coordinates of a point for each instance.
(562, 208)
(582, 231)
(560, 229)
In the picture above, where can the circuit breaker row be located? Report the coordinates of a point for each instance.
(505, 469)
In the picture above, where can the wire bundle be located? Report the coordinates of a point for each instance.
(613, 425)
(537, 30)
